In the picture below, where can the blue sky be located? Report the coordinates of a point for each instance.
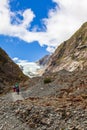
(16, 47)
(39, 7)
(30, 29)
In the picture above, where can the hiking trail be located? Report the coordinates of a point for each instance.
(16, 97)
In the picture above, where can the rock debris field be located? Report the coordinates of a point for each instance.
(38, 109)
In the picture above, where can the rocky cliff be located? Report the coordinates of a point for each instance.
(44, 61)
(9, 71)
(71, 54)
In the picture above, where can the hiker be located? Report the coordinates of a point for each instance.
(17, 88)
(14, 89)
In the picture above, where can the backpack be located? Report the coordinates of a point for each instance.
(16, 85)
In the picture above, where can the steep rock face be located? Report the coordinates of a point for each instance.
(44, 61)
(71, 54)
(9, 71)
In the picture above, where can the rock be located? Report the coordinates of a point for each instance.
(46, 121)
(32, 125)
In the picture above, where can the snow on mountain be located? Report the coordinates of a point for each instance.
(30, 69)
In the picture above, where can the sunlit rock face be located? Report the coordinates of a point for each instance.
(71, 54)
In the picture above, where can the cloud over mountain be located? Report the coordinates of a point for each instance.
(61, 23)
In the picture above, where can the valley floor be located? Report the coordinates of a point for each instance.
(44, 108)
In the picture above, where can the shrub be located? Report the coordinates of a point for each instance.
(47, 80)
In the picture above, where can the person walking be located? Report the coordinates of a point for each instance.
(17, 88)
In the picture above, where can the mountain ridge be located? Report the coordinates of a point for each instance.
(71, 54)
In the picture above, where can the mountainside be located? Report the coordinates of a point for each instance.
(71, 54)
(9, 71)
(44, 61)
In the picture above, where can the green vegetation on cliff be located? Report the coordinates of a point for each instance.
(9, 71)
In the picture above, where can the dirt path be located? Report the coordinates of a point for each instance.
(16, 97)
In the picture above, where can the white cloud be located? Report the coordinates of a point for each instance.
(61, 23)
(15, 59)
(28, 18)
(19, 61)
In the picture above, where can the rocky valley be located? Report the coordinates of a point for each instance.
(57, 100)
